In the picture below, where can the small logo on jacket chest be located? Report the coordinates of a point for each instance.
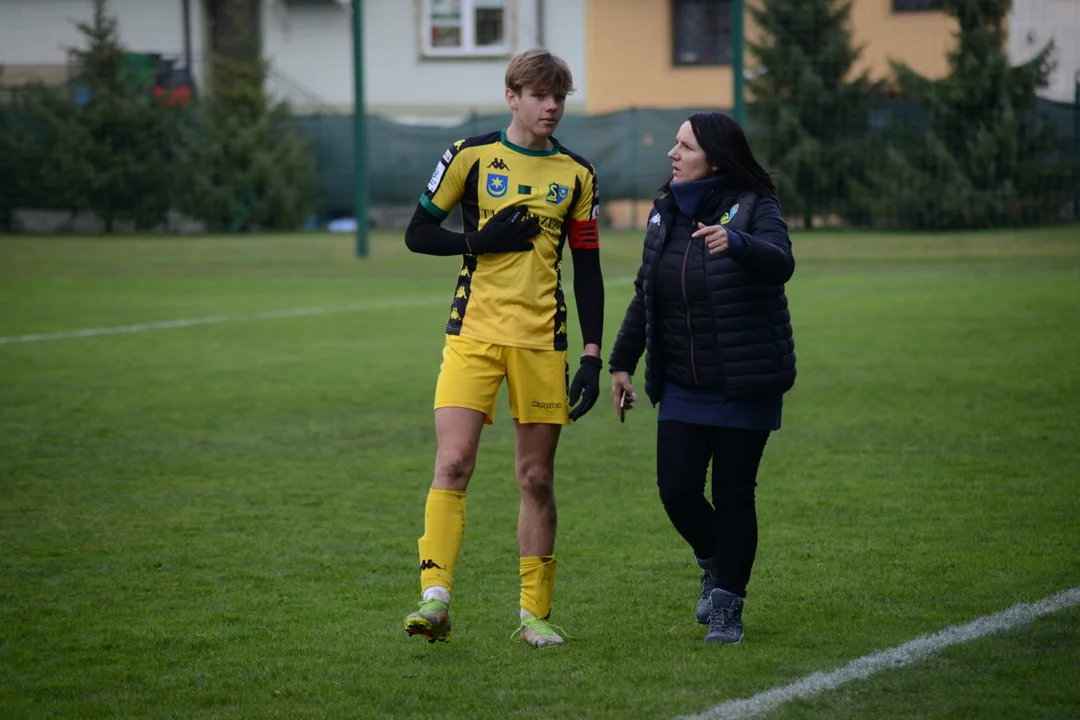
(730, 214)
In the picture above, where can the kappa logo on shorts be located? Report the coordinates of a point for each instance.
(546, 405)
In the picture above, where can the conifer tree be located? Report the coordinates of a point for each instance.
(251, 167)
(978, 155)
(130, 173)
(812, 103)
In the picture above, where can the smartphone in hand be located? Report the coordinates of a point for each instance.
(624, 407)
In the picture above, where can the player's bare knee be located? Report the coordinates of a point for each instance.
(453, 470)
(537, 483)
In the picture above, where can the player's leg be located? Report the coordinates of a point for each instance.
(683, 451)
(538, 401)
(736, 458)
(537, 524)
(464, 401)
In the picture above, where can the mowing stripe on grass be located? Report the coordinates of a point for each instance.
(270, 314)
(211, 319)
(905, 654)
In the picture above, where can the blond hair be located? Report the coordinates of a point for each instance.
(541, 70)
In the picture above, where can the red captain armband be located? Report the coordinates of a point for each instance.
(584, 235)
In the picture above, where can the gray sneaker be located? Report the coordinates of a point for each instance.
(725, 617)
(704, 605)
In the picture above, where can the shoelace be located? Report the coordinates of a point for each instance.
(721, 618)
(539, 626)
(432, 605)
(708, 582)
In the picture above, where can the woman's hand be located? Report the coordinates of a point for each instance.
(715, 237)
(620, 383)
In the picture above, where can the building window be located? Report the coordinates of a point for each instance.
(701, 32)
(456, 28)
(915, 5)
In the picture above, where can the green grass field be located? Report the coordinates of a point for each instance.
(220, 520)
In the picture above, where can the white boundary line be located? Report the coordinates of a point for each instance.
(212, 319)
(243, 317)
(900, 656)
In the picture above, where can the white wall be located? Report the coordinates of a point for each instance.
(40, 32)
(310, 41)
(1033, 23)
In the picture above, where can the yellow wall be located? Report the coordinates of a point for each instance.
(629, 61)
(919, 39)
(629, 53)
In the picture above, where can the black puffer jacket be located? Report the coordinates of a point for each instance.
(718, 321)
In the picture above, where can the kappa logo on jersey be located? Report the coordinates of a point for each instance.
(730, 214)
(655, 219)
(557, 193)
(498, 164)
(497, 185)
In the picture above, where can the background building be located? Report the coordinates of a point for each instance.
(686, 60)
(639, 65)
(424, 58)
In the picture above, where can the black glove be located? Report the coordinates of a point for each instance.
(508, 230)
(586, 386)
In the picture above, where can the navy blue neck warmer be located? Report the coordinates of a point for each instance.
(689, 195)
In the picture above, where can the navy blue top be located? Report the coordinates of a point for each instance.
(706, 406)
(689, 196)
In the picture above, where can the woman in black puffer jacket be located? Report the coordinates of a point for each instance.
(710, 314)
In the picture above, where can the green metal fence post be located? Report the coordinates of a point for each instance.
(1076, 147)
(360, 175)
(738, 50)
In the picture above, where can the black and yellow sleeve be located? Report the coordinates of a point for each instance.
(446, 188)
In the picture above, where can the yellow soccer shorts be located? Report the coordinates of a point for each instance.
(537, 380)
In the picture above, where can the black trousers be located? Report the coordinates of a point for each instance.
(726, 530)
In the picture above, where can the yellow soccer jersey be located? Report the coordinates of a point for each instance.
(515, 298)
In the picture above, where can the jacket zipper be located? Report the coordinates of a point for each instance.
(686, 302)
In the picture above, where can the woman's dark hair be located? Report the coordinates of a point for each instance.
(726, 147)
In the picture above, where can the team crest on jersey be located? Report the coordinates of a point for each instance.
(730, 214)
(557, 193)
(497, 185)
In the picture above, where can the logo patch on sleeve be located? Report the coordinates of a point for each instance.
(436, 177)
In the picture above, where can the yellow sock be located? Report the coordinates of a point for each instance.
(444, 527)
(538, 584)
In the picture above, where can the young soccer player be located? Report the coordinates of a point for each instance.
(523, 197)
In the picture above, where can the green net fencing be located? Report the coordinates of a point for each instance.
(627, 148)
